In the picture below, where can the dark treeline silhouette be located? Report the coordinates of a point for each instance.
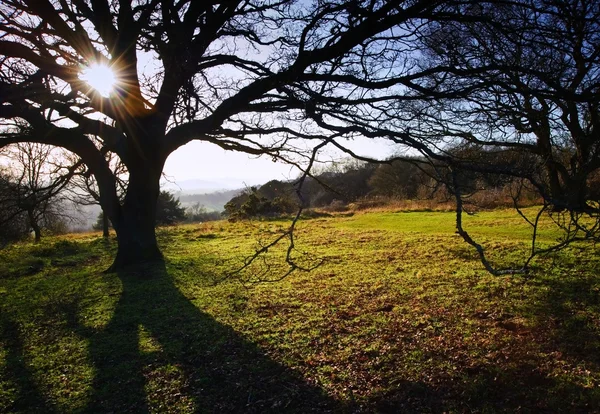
(14, 220)
(340, 185)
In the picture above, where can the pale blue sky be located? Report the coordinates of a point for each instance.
(205, 161)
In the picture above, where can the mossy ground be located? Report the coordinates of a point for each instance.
(400, 317)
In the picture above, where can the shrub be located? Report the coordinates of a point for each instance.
(251, 204)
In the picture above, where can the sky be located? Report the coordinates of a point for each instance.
(205, 161)
(208, 162)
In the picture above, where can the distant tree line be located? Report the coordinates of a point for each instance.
(209, 201)
(335, 187)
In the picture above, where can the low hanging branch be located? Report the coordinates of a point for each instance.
(455, 190)
(568, 222)
(259, 256)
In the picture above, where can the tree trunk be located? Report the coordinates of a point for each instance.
(135, 223)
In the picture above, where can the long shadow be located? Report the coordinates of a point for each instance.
(567, 328)
(209, 367)
(488, 389)
(570, 310)
(28, 398)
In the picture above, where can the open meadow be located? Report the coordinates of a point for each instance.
(399, 317)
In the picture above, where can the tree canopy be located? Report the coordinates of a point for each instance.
(532, 75)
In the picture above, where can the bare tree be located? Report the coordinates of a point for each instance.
(245, 75)
(286, 78)
(525, 90)
(517, 81)
(37, 180)
(13, 221)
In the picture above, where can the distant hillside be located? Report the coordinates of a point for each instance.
(212, 201)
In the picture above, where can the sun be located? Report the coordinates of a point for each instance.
(99, 77)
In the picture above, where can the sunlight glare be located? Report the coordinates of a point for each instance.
(99, 77)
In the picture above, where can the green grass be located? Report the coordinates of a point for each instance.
(400, 317)
(497, 224)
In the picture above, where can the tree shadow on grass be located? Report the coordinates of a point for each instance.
(160, 353)
(190, 362)
(551, 366)
(187, 361)
(570, 313)
(488, 389)
(27, 393)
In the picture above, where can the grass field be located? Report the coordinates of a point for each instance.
(400, 317)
